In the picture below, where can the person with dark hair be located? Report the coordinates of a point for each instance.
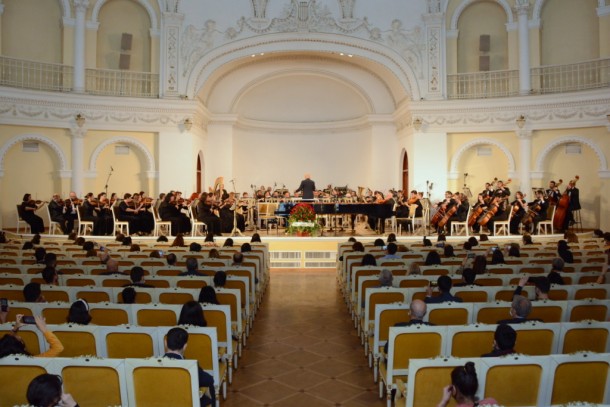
(39, 255)
(49, 275)
(391, 250)
(358, 247)
(175, 345)
(256, 238)
(246, 247)
(378, 243)
(433, 258)
(207, 295)
(368, 260)
(137, 278)
(220, 278)
(514, 250)
(479, 264)
(191, 268)
(444, 287)
(497, 257)
(556, 268)
(206, 214)
(192, 314)
(12, 344)
(129, 295)
(127, 241)
(46, 391)
(171, 259)
(50, 260)
(563, 250)
(391, 238)
(238, 259)
(32, 293)
(79, 312)
(213, 254)
(228, 243)
(195, 247)
(27, 212)
(448, 252)
(505, 338)
(178, 241)
(541, 283)
(527, 239)
(27, 246)
(468, 277)
(162, 239)
(170, 211)
(463, 388)
(427, 242)
(473, 241)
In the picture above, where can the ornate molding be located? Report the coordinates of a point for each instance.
(150, 161)
(455, 160)
(33, 137)
(603, 163)
(80, 6)
(522, 7)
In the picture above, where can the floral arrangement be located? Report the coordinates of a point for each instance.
(302, 220)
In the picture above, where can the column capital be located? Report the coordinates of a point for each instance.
(1, 9)
(452, 33)
(78, 132)
(80, 5)
(172, 18)
(524, 134)
(522, 7)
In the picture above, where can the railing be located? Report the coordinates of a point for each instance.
(572, 77)
(21, 73)
(479, 85)
(111, 82)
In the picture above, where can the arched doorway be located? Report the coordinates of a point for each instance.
(405, 172)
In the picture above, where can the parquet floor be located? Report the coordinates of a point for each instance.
(303, 350)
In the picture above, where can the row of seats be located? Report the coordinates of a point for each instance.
(99, 269)
(115, 382)
(512, 381)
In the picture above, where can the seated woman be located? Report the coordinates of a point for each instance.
(79, 312)
(12, 344)
(192, 314)
(433, 258)
(463, 388)
(497, 257)
(27, 212)
(207, 295)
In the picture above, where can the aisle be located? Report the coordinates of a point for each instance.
(303, 350)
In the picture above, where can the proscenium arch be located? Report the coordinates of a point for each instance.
(123, 140)
(32, 137)
(286, 43)
(603, 163)
(288, 72)
(453, 169)
(465, 3)
(144, 3)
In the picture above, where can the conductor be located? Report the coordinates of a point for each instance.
(307, 187)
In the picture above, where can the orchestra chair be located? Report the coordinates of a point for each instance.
(582, 376)
(502, 227)
(16, 373)
(54, 227)
(577, 223)
(120, 226)
(92, 381)
(458, 227)
(405, 344)
(21, 222)
(397, 221)
(196, 224)
(84, 225)
(586, 336)
(386, 316)
(163, 225)
(129, 341)
(543, 226)
(162, 382)
(266, 213)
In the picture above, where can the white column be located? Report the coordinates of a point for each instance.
(169, 78)
(80, 7)
(78, 158)
(525, 158)
(522, 7)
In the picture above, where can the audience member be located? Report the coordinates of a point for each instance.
(129, 295)
(33, 293)
(137, 278)
(256, 238)
(432, 258)
(514, 250)
(246, 247)
(195, 247)
(228, 242)
(563, 250)
(192, 314)
(391, 249)
(556, 268)
(238, 259)
(448, 252)
(385, 278)
(505, 338)
(417, 311)
(171, 259)
(391, 238)
(207, 295)
(444, 287)
(378, 242)
(463, 388)
(519, 311)
(49, 275)
(220, 278)
(79, 312)
(46, 390)
(497, 257)
(191, 268)
(368, 260)
(39, 255)
(12, 344)
(479, 265)
(468, 277)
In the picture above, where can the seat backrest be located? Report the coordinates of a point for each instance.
(525, 377)
(15, 379)
(122, 343)
(471, 341)
(94, 385)
(412, 344)
(596, 312)
(156, 317)
(77, 340)
(109, 316)
(449, 316)
(580, 379)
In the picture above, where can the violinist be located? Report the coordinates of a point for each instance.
(519, 208)
(502, 190)
(442, 208)
(58, 210)
(89, 213)
(227, 215)
(27, 212)
(205, 213)
(170, 210)
(105, 214)
(146, 217)
(462, 210)
(552, 193)
(128, 212)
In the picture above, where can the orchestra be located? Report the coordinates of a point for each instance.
(232, 212)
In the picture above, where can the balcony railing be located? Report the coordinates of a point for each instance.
(571, 77)
(480, 85)
(111, 82)
(21, 73)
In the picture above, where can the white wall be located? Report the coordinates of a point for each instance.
(428, 162)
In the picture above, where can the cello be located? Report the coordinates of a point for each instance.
(561, 211)
(491, 212)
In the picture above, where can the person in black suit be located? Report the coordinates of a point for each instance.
(57, 210)
(307, 187)
(574, 205)
(191, 268)
(444, 286)
(175, 345)
(505, 338)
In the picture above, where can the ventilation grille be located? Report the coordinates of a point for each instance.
(286, 264)
(320, 264)
(285, 255)
(321, 255)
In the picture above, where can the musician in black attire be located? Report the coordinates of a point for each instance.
(228, 215)
(519, 208)
(574, 205)
(105, 214)
(90, 214)
(445, 205)
(476, 228)
(128, 212)
(501, 214)
(502, 190)
(462, 210)
(307, 187)
(27, 212)
(540, 214)
(57, 210)
(379, 199)
(169, 211)
(205, 214)
(553, 194)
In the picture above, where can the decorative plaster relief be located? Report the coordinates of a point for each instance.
(259, 7)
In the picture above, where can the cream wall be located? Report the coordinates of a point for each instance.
(123, 16)
(31, 29)
(478, 19)
(569, 31)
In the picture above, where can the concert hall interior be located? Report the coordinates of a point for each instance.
(241, 105)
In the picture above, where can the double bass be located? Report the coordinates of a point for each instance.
(561, 211)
